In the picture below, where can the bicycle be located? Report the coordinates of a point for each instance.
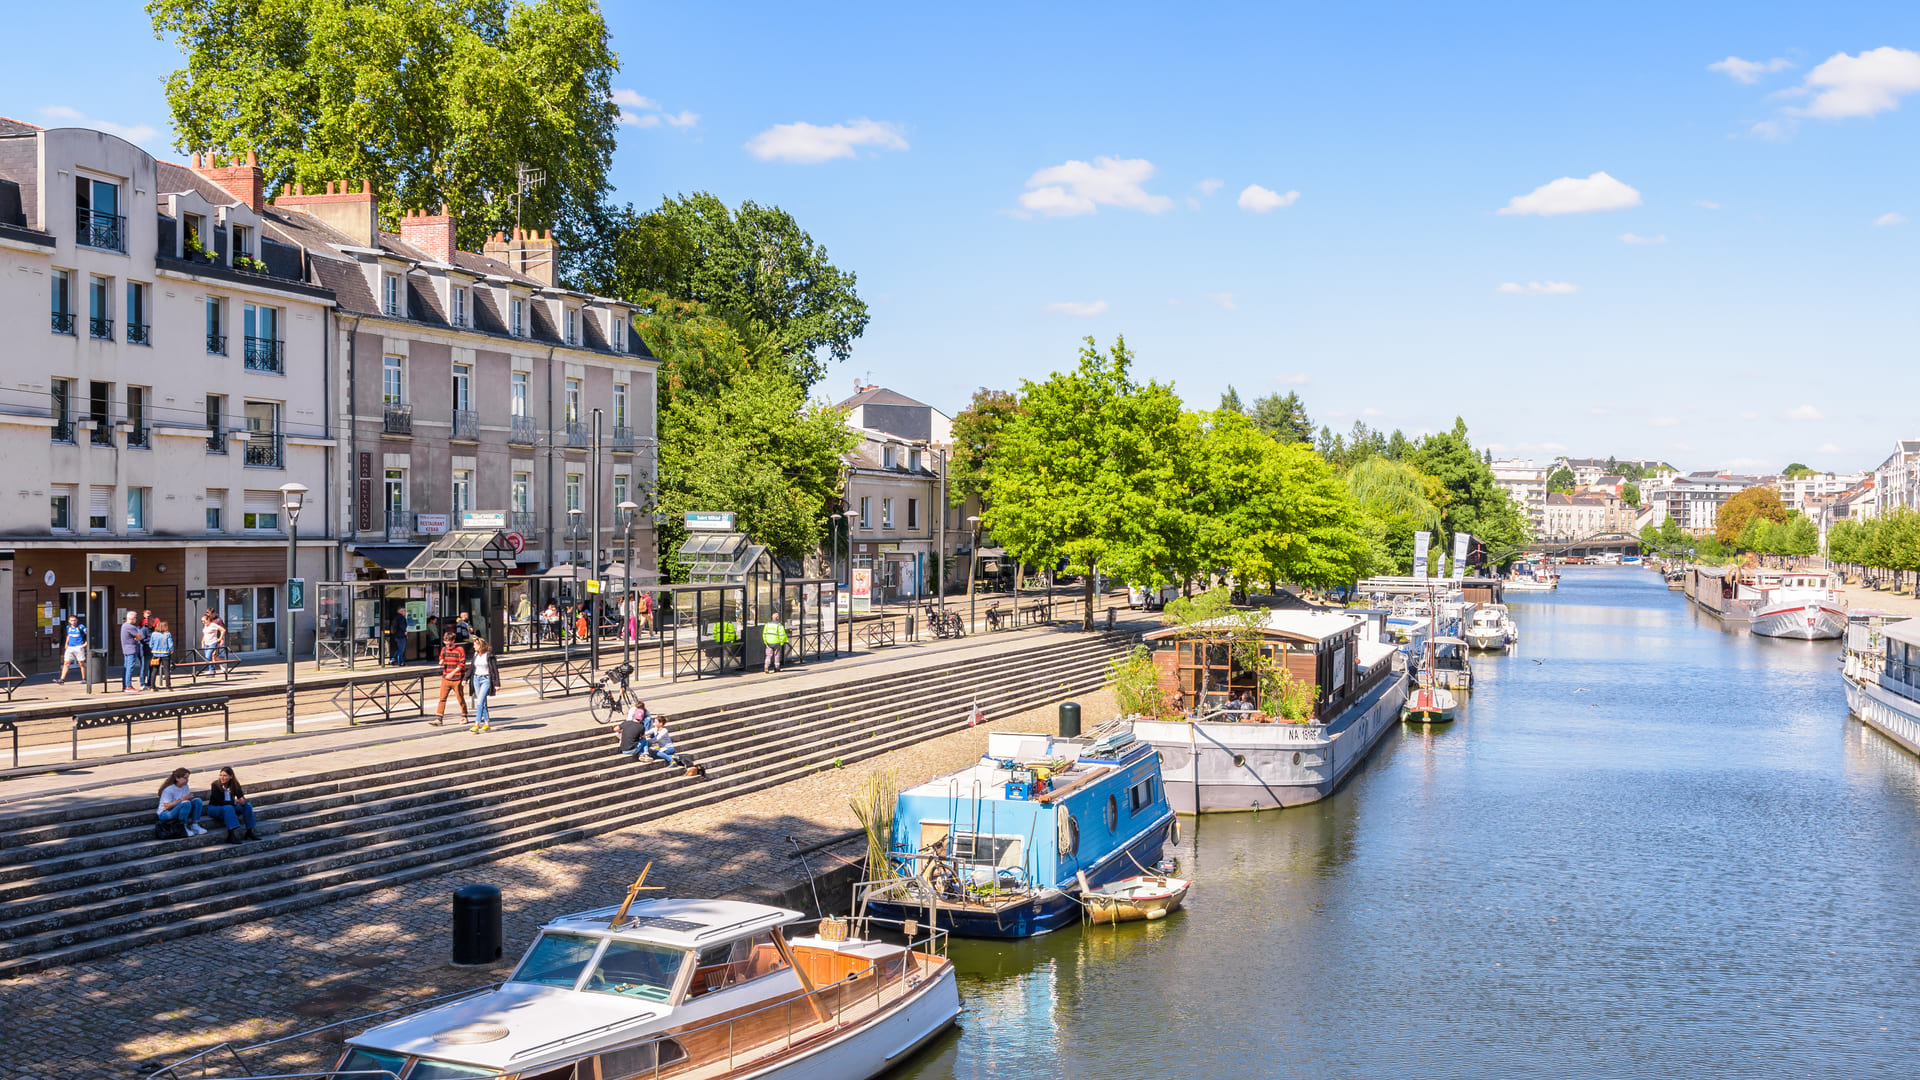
(611, 696)
(948, 625)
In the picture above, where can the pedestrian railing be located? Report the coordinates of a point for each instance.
(382, 699)
(561, 677)
(177, 711)
(879, 634)
(13, 729)
(12, 678)
(206, 664)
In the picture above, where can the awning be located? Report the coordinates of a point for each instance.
(389, 557)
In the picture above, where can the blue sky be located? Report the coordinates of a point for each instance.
(1007, 180)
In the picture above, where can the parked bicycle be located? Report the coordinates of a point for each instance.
(611, 696)
(945, 624)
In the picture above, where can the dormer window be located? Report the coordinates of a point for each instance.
(192, 227)
(573, 326)
(457, 310)
(517, 325)
(889, 457)
(913, 460)
(619, 335)
(390, 294)
(242, 242)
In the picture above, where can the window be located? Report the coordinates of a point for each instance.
(463, 387)
(62, 511)
(519, 394)
(913, 513)
(462, 490)
(889, 457)
(390, 293)
(137, 431)
(637, 969)
(866, 511)
(216, 424)
(522, 492)
(262, 328)
(242, 242)
(620, 481)
(1140, 795)
(556, 960)
(396, 494)
(573, 401)
(61, 406)
(99, 307)
(393, 382)
(619, 335)
(573, 326)
(99, 507)
(216, 508)
(137, 500)
(216, 331)
(985, 850)
(62, 302)
(573, 491)
(97, 214)
(913, 460)
(192, 228)
(886, 513)
(619, 405)
(458, 308)
(517, 324)
(137, 329)
(263, 434)
(737, 962)
(99, 410)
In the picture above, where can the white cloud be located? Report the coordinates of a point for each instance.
(1706, 204)
(1630, 238)
(1293, 379)
(1077, 187)
(1572, 195)
(1078, 308)
(638, 110)
(1683, 447)
(1209, 186)
(802, 143)
(1538, 288)
(1260, 200)
(1663, 421)
(1371, 412)
(633, 100)
(1749, 71)
(1827, 448)
(1891, 217)
(1873, 82)
(1771, 130)
(1805, 412)
(133, 133)
(683, 119)
(639, 120)
(1224, 300)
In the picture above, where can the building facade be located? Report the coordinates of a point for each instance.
(1694, 500)
(1897, 480)
(900, 526)
(1806, 493)
(1526, 484)
(166, 374)
(1578, 516)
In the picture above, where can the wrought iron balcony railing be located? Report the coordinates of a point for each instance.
(100, 328)
(216, 441)
(217, 344)
(265, 450)
(63, 429)
(522, 522)
(525, 432)
(466, 425)
(623, 439)
(577, 434)
(99, 230)
(265, 354)
(399, 419)
(139, 334)
(140, 438)
(63, 322)
(102, 434)
(399, 526)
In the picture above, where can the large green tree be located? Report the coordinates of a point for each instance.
(752, 265)
(1395, 500)
(1474, 503)
(434, 101)
(1272, 511)
(976, 436)
(1284, 418)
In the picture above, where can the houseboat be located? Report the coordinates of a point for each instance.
(668, 988)
(1219, 758)
(1882, 675)
(1003, 848)
(1775, 603)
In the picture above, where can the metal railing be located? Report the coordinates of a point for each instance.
(217, 344)
(265, 354)
(216, 441)
(63, 322)
(100, 328)
(177, 711)
(139, 334)
(623, 439)
(525, 432)
(523, 522)
(382, 699)
(399, 419)
(63, 429)
(466, 425)
(266, 450)
(102, 434)
(399, 526)
(577, 434)
(99, 230)
(140, 437)
(562, 677)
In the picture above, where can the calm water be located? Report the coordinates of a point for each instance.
(1651, 846)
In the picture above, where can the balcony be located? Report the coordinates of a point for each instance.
(63, 429)
(523, 522)
(399, 419)
(102, 434)
(265, 354)
(577, 434)
(525, 432)
(217, 344)
(63, 322)
(98, 230)
(466, 425)
(140, 437)
(399, 526)
(216, 441)
(100, 329)
(139, 334)
(623, 439)
(265, 450)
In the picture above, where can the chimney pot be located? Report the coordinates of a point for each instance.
(253, 158)
(366, 187)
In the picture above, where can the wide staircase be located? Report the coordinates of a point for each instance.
(76, 884)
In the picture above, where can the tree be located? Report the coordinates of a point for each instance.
(1230, 401)
(1746, 504)
(433, 101)
(753, 266)
(1093, 472)
(976, 436)
(1561, 479)
(1395, 500)
(1630, 494)
(1475, 503)
(1284, 418)
(1269, 511)
(1795, 471)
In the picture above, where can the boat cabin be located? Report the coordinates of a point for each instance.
(1901, 670)
(1198, 668)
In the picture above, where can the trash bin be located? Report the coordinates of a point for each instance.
(909, 629)
(1069, 719)
(476, 926)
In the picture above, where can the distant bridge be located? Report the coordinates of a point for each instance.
(1588, 546)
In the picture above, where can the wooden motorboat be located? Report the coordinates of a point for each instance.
(1429, 705)
(1142, 897)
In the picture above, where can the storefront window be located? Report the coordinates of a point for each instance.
(253, 618)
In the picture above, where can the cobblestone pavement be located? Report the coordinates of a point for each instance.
(121, 1016)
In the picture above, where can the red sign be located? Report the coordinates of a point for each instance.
(517, 542)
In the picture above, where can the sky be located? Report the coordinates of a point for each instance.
(1645, 230)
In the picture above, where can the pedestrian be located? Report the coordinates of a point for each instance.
(633, 730)
(485, 675)
(176, 798)
(431, 646)
(646, 611)
(453, 680)
(227, 801)
(130, 649)
(210, 633)
(463, 627)
(659, 744)
(76, 648)
(160, 655)
(774, 637)
(580, 624)
(397, 635)
(146, 648)
(550, 621)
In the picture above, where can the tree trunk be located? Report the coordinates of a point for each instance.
(1088, 625)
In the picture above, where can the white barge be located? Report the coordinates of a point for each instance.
(1882, 675)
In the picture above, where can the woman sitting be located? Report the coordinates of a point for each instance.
(178, 804)
(227, 803)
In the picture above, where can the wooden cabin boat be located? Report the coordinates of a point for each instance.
(669, 988)
(1002, 848)
(1140, 898)
(1225, 760)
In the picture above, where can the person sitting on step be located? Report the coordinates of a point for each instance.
(659, 742)
(178, 804)
(227, 803)
(633, 730)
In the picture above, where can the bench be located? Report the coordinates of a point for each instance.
(204, 663)
(177, 711)
(11, 678)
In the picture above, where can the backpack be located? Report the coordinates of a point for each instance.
(170, 829)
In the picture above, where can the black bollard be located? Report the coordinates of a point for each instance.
(1069, 719)
(476, 926)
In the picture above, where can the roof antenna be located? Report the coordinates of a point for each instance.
(525, 179)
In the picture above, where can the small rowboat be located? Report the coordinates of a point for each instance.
(1429, 705)
(1133, 899)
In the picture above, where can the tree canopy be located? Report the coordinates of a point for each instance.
(1744, 506)
(1474, 503)
(1889, 542)
(1272, 511)
(976, 437)
(1284, 418)
(1561, 479)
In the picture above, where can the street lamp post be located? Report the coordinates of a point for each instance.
(973, 569)
(849, 515)
(627, 510)
(573, 563)
(292, 497)
(593, 620)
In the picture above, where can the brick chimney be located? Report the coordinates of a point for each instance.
(432, 234)
(244, 182)
(355, 214)
(527, 252)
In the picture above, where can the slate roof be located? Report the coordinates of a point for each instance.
(9, 126)
(880, 395)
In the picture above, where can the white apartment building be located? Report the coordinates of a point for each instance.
(165, 374)
(1694, 500)
(1803, 494)
(1574, 517)
(1526, 484)
(1585, 470)
(1897, 480)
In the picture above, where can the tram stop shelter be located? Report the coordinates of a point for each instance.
(715, 622)
(466, 570)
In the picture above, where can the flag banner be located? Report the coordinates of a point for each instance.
(1420, 542)
(1460, 542)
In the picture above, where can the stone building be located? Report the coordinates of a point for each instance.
(895, 492)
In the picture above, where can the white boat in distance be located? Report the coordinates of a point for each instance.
(1491, 626)
(671, 988)
(1796, 604)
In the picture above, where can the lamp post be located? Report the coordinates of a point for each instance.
(849, 515)
(292, 497)
(573, 563)
(627, 510)
(593, 619)
(973, 569)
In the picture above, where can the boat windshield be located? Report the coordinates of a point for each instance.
(361, 1064)
(637, 969)
(557, 960)
(446, 1070)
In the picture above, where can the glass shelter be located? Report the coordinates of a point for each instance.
(377, 623)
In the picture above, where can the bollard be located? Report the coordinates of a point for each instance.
(1110, 614)
(476, 926)
(1069, 719)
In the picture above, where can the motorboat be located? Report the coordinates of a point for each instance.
(1002, 848)
(1144, 897)
(1797, 604)
(719, 989)
(1531, 577)
(1491, 626)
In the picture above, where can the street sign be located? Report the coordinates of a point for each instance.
(110, 564)
(593, 585)
(483, 519)
(296, 594)
(196, 594)
(710, 521)
(517, 542)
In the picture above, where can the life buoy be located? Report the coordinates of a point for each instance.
(1069, 833)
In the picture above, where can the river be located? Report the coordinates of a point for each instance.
(1652, 845)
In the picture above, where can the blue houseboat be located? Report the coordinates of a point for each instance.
(996, 850)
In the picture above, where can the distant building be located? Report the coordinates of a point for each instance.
(1609, 485)
(894, 489)
(1694, 500)
(1802, 494)
(1526, 484)
(1573, 517)
(1585, 470)
(1897, 480)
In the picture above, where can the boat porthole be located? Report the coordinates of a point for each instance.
(1296, 757)
(1113, 814)
(1239, 760)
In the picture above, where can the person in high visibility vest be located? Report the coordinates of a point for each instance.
(774, 636)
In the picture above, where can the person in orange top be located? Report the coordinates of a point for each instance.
(580, 624)
(453, 678)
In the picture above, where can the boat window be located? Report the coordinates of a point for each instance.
(446, 1070)
(983, 849)
(557, 960)
(637, 969)
(639, 1060)
(370, 1064)
(736, 962)
(1141, 794)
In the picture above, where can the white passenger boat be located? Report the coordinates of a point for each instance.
(1491, 626)
(667, 988)
(1531, 577)
(1882, 675)
(1797, 604)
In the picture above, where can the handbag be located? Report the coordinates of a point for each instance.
(170, 829)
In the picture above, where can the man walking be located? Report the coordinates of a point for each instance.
(76, 650)
(146, 649)
(453, 679)
(774, 637)
(397, 636)
(131, 677)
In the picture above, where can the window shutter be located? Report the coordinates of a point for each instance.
(100, 501)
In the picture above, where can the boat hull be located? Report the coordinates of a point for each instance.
(1891, 714)
(1430, 706)
(878, 1046)
(1805, 622)
(1224, 768)
(1137, 906)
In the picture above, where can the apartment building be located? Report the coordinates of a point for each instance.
(895, 494)
(1526, 484)
(1694, 500)
(1585, 471)
(165, 375)
(1574, 517)
(1897, 479)
(1804, 494)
